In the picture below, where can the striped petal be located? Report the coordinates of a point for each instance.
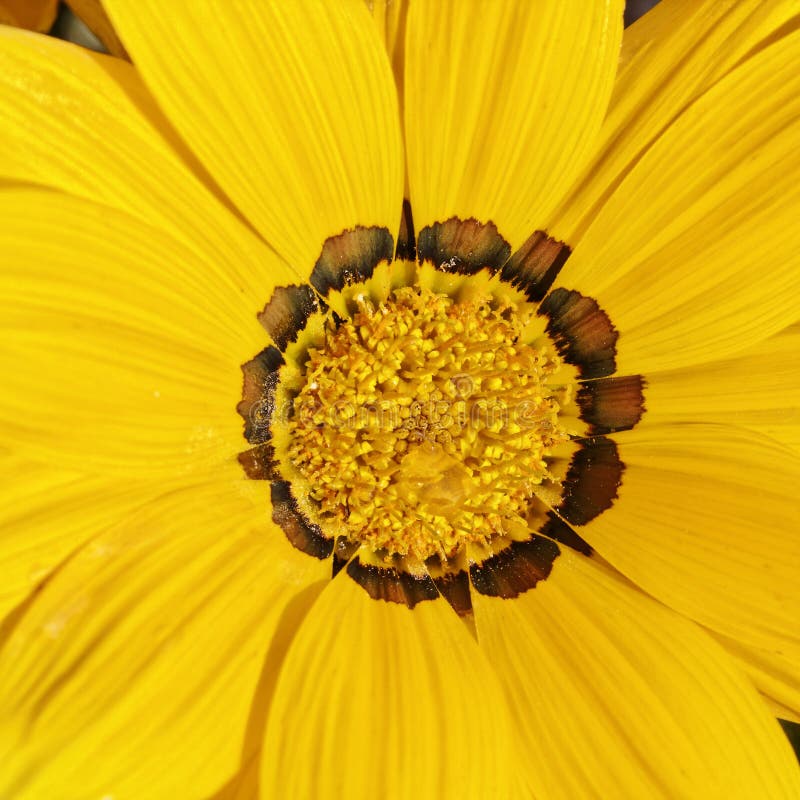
(776, 673)
(291, 107)
(614, 695)
(706, 521)
(503, 102)
(122, 347)
(378, 700)
(48, 513)
(671, 56)
(759, 388)
(713, 265)
(83, 123)
(390, 19)
(137, 669)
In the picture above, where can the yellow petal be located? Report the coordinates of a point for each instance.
(390, 19)
(243, 785)
(134, 673)
(759, 388)
(36, 15)
(781, 711)
(84, 124)
(706, 521)
(697, 253)
(121, 348)
(616, 696)
(775, 672)
(670, 57)
(378, 700)
(503, 102)
(96, 19)
(291, 107)
(47, 513)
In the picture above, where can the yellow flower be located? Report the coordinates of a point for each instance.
(609, 249)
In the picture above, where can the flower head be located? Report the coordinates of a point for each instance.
(403, 409)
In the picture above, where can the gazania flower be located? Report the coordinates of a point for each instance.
(314, 493)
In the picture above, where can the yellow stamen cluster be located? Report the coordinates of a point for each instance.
(424, 423)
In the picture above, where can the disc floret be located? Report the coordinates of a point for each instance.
(425, 422)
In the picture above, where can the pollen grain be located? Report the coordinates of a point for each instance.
(425, 422)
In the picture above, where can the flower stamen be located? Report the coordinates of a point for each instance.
(424, 422)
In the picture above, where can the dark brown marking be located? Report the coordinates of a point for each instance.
(406, 241)
(258, 394)
(534, 267)
(582, 331)
(517, 568)
(612, 404)
(288, 311)
(392, 585)
(351, 257)
(454, 587)
(556, 528)
(259, 463)
(463, 246)
(592, 480)
(304, 535)
(342, 553)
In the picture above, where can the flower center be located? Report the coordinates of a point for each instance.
(423, 423)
